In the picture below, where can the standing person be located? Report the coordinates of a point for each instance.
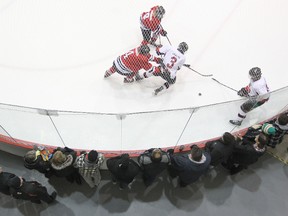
(30, 190)
(123, 169)
(62, 164)
(246, 153)
(88, 165)
(130, 63)
(153, 162)
(190, 167)
(257, 91)
(4, 181)
(150, 24)
(221, 149)
(172, 62)
(281, 129)
(38, 159)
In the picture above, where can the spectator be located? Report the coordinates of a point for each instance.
(38, 160)
(221, 149)
(88, 165)
(189, 167)
(281, 127)
(257, 129)
(4, 181)
(30, 190)
(62, 165)
(246, 153)
(153, 162)
(123, 170)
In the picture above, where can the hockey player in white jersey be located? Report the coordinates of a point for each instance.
(173, 60)
(257, 93)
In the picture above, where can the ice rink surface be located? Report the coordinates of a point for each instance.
(53, 55)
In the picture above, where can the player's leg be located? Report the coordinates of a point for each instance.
(244, 109)
(146, 33)
(110, 71)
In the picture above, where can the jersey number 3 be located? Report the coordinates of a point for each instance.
(172, 62)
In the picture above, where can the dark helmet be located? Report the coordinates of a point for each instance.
(182, 47)
(160, 11)
(255, 73)
(144, 49)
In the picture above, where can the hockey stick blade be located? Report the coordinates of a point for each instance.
(204, 75)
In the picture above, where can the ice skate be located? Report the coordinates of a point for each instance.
(128, 80)
(138, 77)
(156, 91)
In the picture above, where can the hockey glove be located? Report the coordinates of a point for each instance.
(156, 91)
(243, 92)
(159, 61)
(163, 32)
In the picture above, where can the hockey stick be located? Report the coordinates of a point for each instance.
(168, 40)
(166, 36)
(205, 75)
(224, 85)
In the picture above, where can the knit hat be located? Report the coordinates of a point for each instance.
(268, 129)
(14, 182)
(92, 156)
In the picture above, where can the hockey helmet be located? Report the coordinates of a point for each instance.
(160, 11)
(182, 47)
(255, 73)
(144, 49)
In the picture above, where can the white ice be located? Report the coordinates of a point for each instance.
(53, 55)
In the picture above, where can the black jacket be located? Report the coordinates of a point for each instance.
(245, 154)
(219, 151)
(33, 191)
(4, 178)
(39, 164)
(124, 176)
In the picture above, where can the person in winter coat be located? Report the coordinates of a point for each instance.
(88, 165)
(281, 127)
(4, 180)
(123, 170)
(190, 167)
(30, 190)
(62, 165)
(38, 159)
(153, 162)
(221, 149)
(246, 153)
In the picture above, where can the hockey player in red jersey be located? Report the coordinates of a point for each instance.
(131, 62)
(150, 23)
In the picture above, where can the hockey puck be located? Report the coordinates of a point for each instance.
(199, 94)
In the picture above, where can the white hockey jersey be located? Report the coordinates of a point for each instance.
(258, 89)
(173, 59)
